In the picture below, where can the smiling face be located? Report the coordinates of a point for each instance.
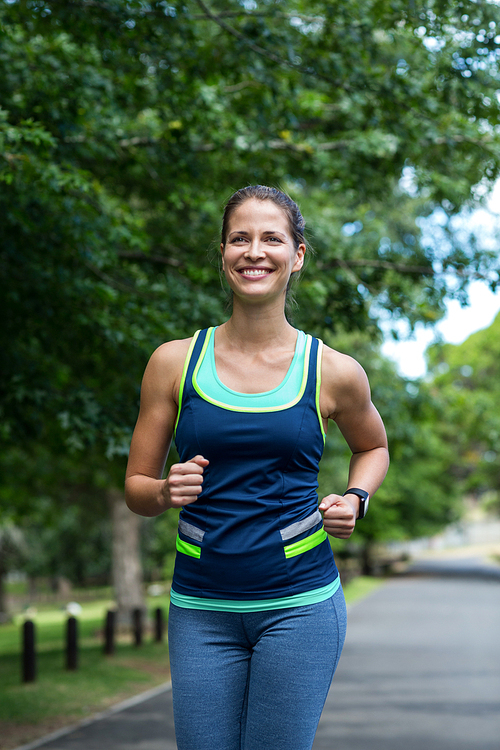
(259, 255)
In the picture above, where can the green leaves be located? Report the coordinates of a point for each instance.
(125, 127)
(467, 378)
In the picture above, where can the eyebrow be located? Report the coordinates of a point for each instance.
(267, 231)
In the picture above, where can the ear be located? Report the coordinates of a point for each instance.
(299, 258)
(222, 253)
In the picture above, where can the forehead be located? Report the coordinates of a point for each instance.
(254, 213)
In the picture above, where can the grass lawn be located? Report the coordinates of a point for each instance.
(59, 697)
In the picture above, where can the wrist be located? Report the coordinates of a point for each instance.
(164, 501)
(363, 499)
(353, 501)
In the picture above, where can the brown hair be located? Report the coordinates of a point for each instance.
(263, 193)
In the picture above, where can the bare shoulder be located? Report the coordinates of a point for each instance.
(171, 352)
(343, 381)
(342, 370)
(164, 370)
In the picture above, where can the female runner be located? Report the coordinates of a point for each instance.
(257, 617)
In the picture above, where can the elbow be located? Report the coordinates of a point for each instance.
(130, 499)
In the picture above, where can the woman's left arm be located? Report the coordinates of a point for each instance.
(346, 398)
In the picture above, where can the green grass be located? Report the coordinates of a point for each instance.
(63, 696)
(360, 587)
(99, 681)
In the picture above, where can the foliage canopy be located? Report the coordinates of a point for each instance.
(124, 126)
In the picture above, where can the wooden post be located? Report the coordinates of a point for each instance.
(159, 625)
(72, 643)
(109, 632)
(29, 655)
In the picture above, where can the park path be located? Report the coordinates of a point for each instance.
(420, 671)
(421, 665)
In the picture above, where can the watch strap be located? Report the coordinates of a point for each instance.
(364, 498)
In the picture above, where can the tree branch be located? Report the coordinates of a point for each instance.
(159, 259)
(258, 14)
(277, 144)
(368, 263)
(465, 273)
(265, 53)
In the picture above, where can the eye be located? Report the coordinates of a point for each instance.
(274, 239)
(235, 240)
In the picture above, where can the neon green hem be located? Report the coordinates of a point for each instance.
(256, 605)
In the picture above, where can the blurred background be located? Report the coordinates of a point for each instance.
(124, 127)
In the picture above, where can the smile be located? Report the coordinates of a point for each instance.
(255, 272)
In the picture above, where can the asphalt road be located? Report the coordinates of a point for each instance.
(420, 671)
(421, 665)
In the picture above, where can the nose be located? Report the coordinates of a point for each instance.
(255, 250)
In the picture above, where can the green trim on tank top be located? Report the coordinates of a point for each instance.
(256, 605)
(319, 361)
(183, 376)
(288, 393)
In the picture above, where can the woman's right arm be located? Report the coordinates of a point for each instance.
(146, 492)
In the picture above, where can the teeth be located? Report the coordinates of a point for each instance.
(254, 272)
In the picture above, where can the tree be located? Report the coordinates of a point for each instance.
(119, 146)
(53, 506)
(418, 497)
(466, 378)
(125, 124)
(12, 546)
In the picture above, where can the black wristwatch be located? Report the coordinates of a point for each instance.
(364, 499)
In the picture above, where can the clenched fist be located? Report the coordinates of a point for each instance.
(184, 482)
(339, 516)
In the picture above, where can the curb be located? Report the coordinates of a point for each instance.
(128, 703)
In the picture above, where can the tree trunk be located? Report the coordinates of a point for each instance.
(367, 558)
(127, 567)
(4, 615)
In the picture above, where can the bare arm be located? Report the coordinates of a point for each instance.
(346, 399)
(146, 492)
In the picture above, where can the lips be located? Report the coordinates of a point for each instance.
(255, 273)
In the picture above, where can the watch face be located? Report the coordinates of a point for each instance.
(363, 506)
(364, 499)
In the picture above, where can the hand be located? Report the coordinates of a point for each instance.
(184, 482)
(339, 516)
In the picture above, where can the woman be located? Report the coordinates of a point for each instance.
(257, 616)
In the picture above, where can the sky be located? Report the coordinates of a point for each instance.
(455, 327)
(459, 322)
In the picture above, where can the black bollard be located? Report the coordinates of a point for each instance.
(71, 643)
(29, 656)
(109, 632)
(137, 625)
(159, 625)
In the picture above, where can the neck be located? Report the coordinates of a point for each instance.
(256, 326)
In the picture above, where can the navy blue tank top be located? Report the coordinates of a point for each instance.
(254, 538)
